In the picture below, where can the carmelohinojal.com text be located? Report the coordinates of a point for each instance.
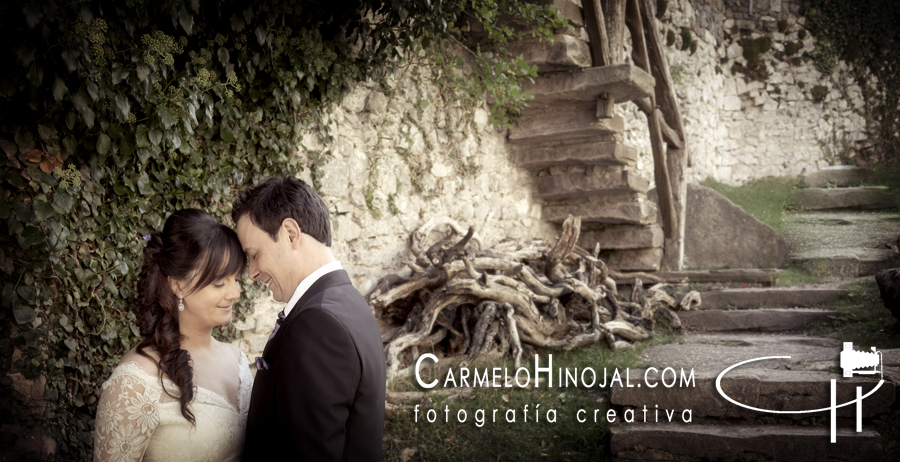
(587, 377)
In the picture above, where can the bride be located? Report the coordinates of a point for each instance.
(180, 395)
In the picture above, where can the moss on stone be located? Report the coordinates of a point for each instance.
(819, 92)
(782, 25)
(686, 39)
(670, 38)
(791, 48)
(756, 47)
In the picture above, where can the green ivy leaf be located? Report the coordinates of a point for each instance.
(42, 210)
(71, 344)
(141, 138)
(24, 314)
(103, 144)
(143, 184)
(59, 89)
(27, 293)
(32, 236)
(63, 200)
(227, 135)
(9, 294)
(155, 136)
(165, 116)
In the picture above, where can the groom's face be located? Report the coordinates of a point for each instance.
(268, 259)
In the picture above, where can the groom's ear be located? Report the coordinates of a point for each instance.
(292, 230)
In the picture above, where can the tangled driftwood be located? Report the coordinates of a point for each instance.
(511, 297)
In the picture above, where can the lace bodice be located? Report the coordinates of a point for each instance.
(137, 420)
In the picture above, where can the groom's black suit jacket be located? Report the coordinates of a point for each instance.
(322, 396)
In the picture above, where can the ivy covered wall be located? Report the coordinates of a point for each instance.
(116, 113)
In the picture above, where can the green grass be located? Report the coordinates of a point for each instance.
(765, 199)
(566, 439)
(886, 176)
(795, 275)
(861, 319)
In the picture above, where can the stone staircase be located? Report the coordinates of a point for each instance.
(720, 430)
(574, 147)
(841, 230)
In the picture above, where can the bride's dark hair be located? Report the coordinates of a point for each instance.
(193, 246)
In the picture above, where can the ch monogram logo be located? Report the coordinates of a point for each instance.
(851, 361)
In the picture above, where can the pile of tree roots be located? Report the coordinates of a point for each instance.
(511, 297)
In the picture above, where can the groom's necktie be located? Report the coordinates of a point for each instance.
(261, 364)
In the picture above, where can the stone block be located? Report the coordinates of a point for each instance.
(563, 52)
(838, 175)
(869, 197)
(731, 103)
(560, 126)
(720, 234)
(557, 154)
(623, 237)
(774, 297)
(623, 81)
(776, 389)
(634, 259)
(578, 185)
(638, 212)
(761, 320)
(741, 442)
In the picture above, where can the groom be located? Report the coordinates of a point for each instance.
(319, 389)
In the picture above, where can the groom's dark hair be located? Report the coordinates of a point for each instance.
(277, 198)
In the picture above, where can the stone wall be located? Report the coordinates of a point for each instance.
(400, 154)
(740, 129)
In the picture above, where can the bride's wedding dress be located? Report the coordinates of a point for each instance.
(137, 420)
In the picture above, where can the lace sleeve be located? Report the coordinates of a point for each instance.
(246, 389)
(126, 417)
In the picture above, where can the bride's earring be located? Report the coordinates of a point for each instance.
(180, 303)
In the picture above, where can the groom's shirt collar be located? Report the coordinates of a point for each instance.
(308, 282)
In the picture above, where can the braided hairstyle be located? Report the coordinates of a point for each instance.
(192, 247)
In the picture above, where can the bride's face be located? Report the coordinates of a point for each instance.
(212, 305)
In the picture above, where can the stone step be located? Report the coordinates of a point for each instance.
(578, 123)
(763, 276)
(563, 52)
(771, 389)
(842, 244)
(623, 237)
(837, 175)
(564, 155)
(846, 263)
(623, 82)
(597, 210)
(772, 297)
(802, 381)
(761, 320)
(633, 259)
(574, 185)
(783, 443)
(867, 197)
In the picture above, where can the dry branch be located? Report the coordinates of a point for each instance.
(511, 297)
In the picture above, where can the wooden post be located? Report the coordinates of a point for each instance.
(614, 12)
(595, 24)
(678, 159)
(660, 167)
